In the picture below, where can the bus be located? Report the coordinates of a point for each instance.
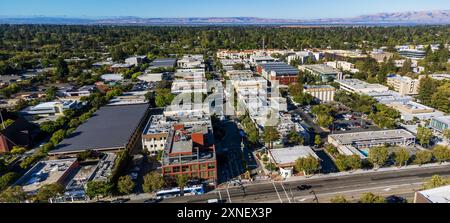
(175, 192)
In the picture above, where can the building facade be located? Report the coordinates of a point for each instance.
(324, 93)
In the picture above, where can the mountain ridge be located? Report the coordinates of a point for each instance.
(409, 17)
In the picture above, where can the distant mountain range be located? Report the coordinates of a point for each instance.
(399, 18)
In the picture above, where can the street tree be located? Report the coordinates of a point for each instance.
(371, 198)
(441, 153)
(125, 185)
(308, 165)
(401, 157)
(423, 157)
(378, 156)
(181, 182)
(294, 138)
(13, 194)
(270, 135)
(339, 199)
(435, 181)
(354, 162)
(317, 140)
(97, 189)
(48, 191)
(153, 182)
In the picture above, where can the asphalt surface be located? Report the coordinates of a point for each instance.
(399, 182)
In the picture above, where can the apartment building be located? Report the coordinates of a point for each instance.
(324, 93)
(404, 85)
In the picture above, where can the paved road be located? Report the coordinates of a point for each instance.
(399, 182)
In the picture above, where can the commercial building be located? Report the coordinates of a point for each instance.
(191, 61)
(19, 133)
(47, 172)
(164, 63)
(155, 134)
(257, 59)
(404, 85)
(361, 140)
(360, 87)
(129, 98)
(381, 56)
(324, 72)
(411, 110)
(278, 71)
(324, 93)
(301, 56)
(435, 195)
(111, 128)
(345, 55)
(440, 123)
(189, 86)
(343, 65)
(285, 158)
(190, 151)
(135, 61)
(228, 64)
(53, 108)
(412, 54)
(239, 73)
(389, 97)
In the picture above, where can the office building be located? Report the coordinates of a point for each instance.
(285, 158)
(164, 63)
(155, 134)
(435, 195)
(404, 85)
(412, 54)
(47, 109)
(323, 93)
(278, 71)
(360, 87)
(361, 140)
(411, 110)
(324, 72)
(343, 65)
(440, 123)
(111, 128)
(191, 61)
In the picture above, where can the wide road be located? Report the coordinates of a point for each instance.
(399, 182)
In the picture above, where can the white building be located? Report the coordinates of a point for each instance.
(54, 108)
(285, 158)
(369, 139)
(191, 61)
(135, 61)
(404, 85)
(323, 93)
(155, 134)
(435, 195)
(360, 87)
(343, 65)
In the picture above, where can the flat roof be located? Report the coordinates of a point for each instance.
(443, 119)
(164, 62)
(291, 154)
(437, 195)
(322, 69)
(110, 127)
(318, 87)
(349, 138)
(279, 67)
(359, 84)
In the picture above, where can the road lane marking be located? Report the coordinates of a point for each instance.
(220, 195)
(286, 193)
(229, 197)
(281, 201)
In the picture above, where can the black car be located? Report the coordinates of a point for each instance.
(395, 199)
(120, 200)
(152, 201)
(304, 187)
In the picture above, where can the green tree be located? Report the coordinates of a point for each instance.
(378, 156)
(58, 136)
(62, 69)
(48, 127)
(270, 135)
(339, 199)
(406, 68)
(435, 181)
(49, 191)
(423, 157)
(164, 97)
(341, 162)
(441, 153)
(294, 138)
(324, 120)
(308, 165)
(125, 185)
(427, 88)
(354, 162)
(371, 198)
(317, 140)
(7, 179)
(18, 150)
(401, 157)
(13, 195)
(97, 188)
(181, 182)
(424, 135)
(153, 182)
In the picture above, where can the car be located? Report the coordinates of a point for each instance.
(152, 201)
(304, 187)
(100, 201)
(213, 201)
(395, 199)
(134, 175)
(120, 200)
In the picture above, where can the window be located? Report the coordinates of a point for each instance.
(194, 167)
(211, 166)
(204, 166)
(176, 169)
(204, 175)
(186, 169)
(167, 170)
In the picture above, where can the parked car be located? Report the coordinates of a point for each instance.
(120, 200)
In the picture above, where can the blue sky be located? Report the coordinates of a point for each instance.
(300, 9)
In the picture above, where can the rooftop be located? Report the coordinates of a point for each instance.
(163, 62)
(291, 154)
(360, 85)
(322, 69)
(111, 127)
(158, 124)
(318, 87)
(349, 138)
(437, 195)
(279, 68)
(443, 119)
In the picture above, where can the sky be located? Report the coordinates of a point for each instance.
(285, 9)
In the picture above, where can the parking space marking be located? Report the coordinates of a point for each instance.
(274, 186)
